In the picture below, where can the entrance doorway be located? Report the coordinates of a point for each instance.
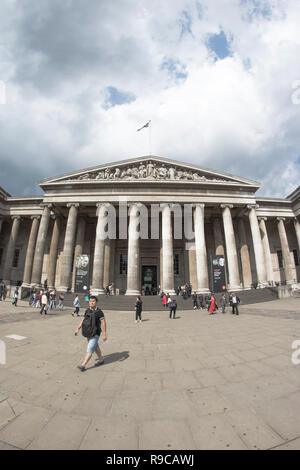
(149, 280)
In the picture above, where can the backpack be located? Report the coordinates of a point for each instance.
(89, 324)
(173, 304)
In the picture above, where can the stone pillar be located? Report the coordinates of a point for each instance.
(258, 247)
(106, 273)
(289, 269)
(232, 259)
(297, 228)
(201, 254)
(167, 251)
(98, 268)
(245, 258)
(133, 266)
(67, 257)
(30, 251)
(52, 262)
(219, 243)
(1, 223)
(40, 247)
(78, 244)
(267, 251)
(11, 249)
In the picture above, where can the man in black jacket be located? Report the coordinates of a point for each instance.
(93, 341)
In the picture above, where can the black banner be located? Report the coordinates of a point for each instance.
(82, 274)
(218, 270)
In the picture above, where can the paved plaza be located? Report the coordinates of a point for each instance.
(196, 382)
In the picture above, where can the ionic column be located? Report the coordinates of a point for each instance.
(297, 228)
(245, 257)
(288, 267)
(66, 265)
(133, 266)
(257, 245)
(40, 247)
(30, 251)
(167, 251)
(219, 243)
(51, 270)
(232, 259)
(78, 244)
(201, 254)
(10, 249)
(98, 268)
(267, 251)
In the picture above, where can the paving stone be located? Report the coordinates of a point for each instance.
(166, 435)
(110, 433)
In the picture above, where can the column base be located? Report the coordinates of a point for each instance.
(170, 291)
(96, 291)
(203, 290)
(133, 292)
(234, 288)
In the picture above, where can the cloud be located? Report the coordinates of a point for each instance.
(215, 77)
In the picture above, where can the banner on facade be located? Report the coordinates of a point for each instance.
(82, 274)
(218, 270)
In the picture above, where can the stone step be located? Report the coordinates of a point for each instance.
(153, 302)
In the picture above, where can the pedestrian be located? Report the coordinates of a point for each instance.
(223, 303)
(15, 297)
(212, 308)
(44, 304)
(201, 301)
(235, 304)
(195, 301)
(1, 291)
(46, 285)
(92, 325)
(52, 300)
(173, 308)
(4, 293)
(76, 304)
(61, 301)
(138, 310)
(164, 300)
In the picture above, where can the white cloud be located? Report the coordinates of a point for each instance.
(235, 114)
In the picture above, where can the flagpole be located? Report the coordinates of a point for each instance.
(150, 137)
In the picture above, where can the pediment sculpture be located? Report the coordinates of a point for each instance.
(148, 170)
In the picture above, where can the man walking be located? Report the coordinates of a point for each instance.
(76, 304)
(44, 304)
(235, 304)
(173, 308)
(223, 303)
(92, 325)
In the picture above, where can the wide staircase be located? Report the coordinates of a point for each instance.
(153, 302)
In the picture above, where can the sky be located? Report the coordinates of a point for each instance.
(219, 79)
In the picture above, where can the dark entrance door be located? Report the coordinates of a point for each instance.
(149, 279)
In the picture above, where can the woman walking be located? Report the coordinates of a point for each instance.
(212, 306)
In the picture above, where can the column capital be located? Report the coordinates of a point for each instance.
(46, 205)
(73, 204)
(32, 217)
(252, 206)
(278, 219)
(16, 217)
(225, 206)
(262, 218)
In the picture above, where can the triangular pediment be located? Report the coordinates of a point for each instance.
(151, 169)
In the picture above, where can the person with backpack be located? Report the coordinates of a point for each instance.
(92, 325)
(195, 301)
(173, 307)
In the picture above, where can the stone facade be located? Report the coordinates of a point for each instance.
(41, 237)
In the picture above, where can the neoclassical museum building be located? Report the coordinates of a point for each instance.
(165, 221)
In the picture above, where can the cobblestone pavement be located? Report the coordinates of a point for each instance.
(196, 382)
